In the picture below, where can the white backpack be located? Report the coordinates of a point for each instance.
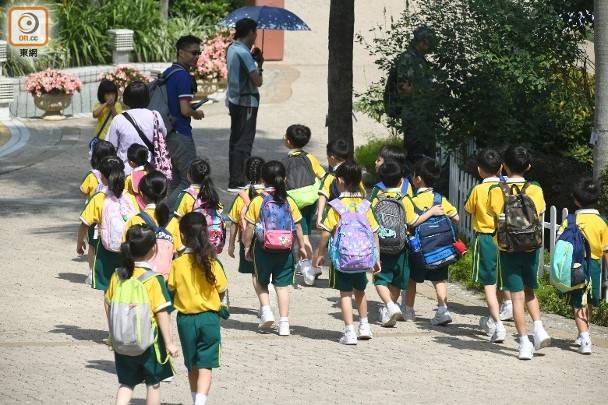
(116, 212)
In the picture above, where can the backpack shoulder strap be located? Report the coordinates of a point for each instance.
(338, 206)
(570, 220)
(143, 137)
(405, 186)
(166, 77)
(148, 220)
(363, 207)
(380, 186)
(437, 199)
(525, 187)
(506, 190)
(147, 275)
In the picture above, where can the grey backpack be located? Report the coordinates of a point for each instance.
(132, 325)
(390, 214)
(519, 228)
(159, 100)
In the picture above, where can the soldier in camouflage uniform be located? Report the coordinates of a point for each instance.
(416, 84)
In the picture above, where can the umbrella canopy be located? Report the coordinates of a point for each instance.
(267, 18)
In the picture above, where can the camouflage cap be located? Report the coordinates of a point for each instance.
(424, 33)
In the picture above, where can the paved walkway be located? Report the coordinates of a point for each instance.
(52, 324)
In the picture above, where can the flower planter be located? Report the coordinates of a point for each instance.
(53, 105)
(206, 87)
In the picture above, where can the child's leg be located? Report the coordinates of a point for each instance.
(395, 292)
(346, 305)
(283, 299)
(361, 301)
(256, 286)
(124, 394)
(193, 379)
(532, 304)
(385, 294)
(581, 319)
(410, 295)
(519, 312)
(492, 301)
(203, 384)
(91, 256)
(441, 289)
(153, 394)
(308, 246)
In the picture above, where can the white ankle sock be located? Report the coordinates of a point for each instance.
(538, 325)
(409, 308)
(349, 328)
(585, 335)
(265, 308)
(442, 308)
(507, 303)
(363, 320)
(200, 399)
(193, 396)
(498, 323)
(284, 319)
(523, 339)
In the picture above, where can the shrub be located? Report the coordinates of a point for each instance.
(365, 155)
(211, 11)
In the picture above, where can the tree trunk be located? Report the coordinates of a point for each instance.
(600, 151)
(164, 10)
(340, 70)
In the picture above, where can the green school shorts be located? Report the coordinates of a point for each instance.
(594, 292)
(133, 370)
(485, 259)
(104, 266)
(201, 340)
(245, 266)
(347, 281)
(91, 235)
(420, 274)
(308, 218)
(518, 270)
(395, 270)
(275, 266)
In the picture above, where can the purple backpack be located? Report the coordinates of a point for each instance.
(352, 249)
(275, 227)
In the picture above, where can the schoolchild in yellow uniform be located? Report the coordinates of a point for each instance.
(154, 187)
(106, 261)
(138, 160)
(398, 155)
(348, 176)
(253, 173)
(426, 173)
(519, 270)
(198, 283)
(297, 137)
(485, 251)
(201, 188)
(275, 266)
(92, 184)
(147, 367)
(107, 107)
(595, 229)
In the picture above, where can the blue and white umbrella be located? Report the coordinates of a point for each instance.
(267, 18)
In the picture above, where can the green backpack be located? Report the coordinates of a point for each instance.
(302, 183)
(132, 326)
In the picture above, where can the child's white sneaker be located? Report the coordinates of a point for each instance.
(266, 318)
(541, 338)
(409, 314)
(506, 311)
(317, 271)
(487, 324)
(389, 314)
(442, 317)
(578, 341)
(89, 280)
(585, 347)
(284, 328)
(526, 349)
(499, 335)
(349, 337)
(365, 331)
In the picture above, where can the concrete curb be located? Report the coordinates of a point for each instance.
(19, 135)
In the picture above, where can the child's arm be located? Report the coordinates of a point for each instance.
(97, 112)
(321, 249)
(377, 266)
(164, 323)
(321, 209)
(301, 244)
(455, 219)
(234, 230)
(435, 210)
(82, 232)
(248, 239)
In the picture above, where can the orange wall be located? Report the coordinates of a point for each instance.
(274, 41)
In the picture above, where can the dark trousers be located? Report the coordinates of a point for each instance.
(242, 133)
(182, 151)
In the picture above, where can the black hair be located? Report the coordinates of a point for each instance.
(298, 135)
(428, 170)
(101, 150)
(200, 173)
(350, 172)
(489, 160)
(193, 227)
(253, 173)
(273, 175)
(586, 192)
(187, 40)
(397, 154)
(153, 187)
(390, 173)
(138, 154)
(113, 169)
(338, 148)
(137, 95)
(140, 239)
(243, 27)
(106, 86)
(517, 159)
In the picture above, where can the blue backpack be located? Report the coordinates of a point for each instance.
(432, 244)
(275, 227)
(570, 267)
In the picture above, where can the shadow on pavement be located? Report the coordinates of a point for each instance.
(467, 309)
(298, 330)
(76, 278)
(242, 311)
(103, 365)
(78, 333)
(475, 345)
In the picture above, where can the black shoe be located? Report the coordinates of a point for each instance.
(235, 188)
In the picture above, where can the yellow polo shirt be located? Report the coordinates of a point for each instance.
(172, 226)
(595, 229)
(89, 185)
(496, 201)
(238, 204)
(327, 185)
(118, 106)
(423, 200)
(477, 206)
(194, 293)
(351, 202)
(186, 202)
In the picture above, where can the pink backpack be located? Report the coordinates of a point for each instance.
(216, 227)
(161, 159)
(275, 227)
(136, 177)
(161, 262)
(115, 214)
